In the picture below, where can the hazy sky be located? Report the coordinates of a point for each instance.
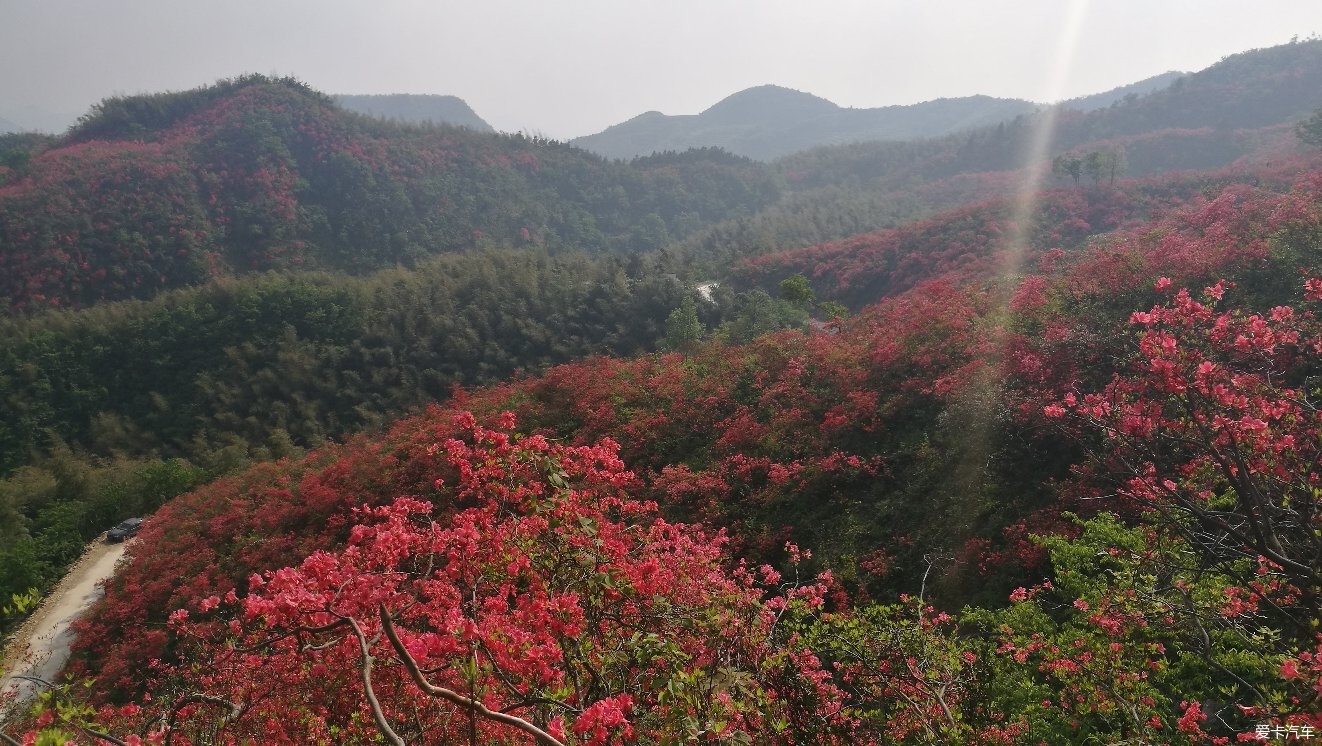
(564, 68)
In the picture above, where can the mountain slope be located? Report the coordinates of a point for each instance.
(836, 193)
(1115, 95)
(916, 449)
(1251, 89)
(154, 192)
(1244, 104)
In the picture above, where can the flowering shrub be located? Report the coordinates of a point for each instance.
(528, 595)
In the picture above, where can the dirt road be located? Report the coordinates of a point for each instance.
(40, 648)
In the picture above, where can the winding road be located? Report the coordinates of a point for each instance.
(40, 648)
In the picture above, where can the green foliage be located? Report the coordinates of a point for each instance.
(682, 326)
(68, 717)
(906, 673)
(832, 310)
(21, 603)
(64, 500)
(796, 290)
(1309, 131)
(1069, 165)
(298, 358)
(1098, 165)
(1104, 165)
(17, 151)
(1129, 627)
(756, 313)
(130, 117)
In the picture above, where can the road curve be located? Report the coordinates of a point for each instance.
(40, 648)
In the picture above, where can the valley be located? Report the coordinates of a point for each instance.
(450, 436)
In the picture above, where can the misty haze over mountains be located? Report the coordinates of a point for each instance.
(769, 122)
(764, 122)
(33, 119)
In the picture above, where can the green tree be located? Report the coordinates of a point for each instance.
(796, 290)
(1309, 131)
(682, 326)
(1067, 164)
(1103, 164)
(757, 313)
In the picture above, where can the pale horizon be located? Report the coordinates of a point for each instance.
(574, 68)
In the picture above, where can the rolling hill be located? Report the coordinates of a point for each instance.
(1117, 95)
(172, 190)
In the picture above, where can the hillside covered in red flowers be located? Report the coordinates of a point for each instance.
(1041, 467)
(968, 447)
(156, 192)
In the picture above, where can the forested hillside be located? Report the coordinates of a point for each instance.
(952, 445)
(461, 438)
(156, 192)
(964, 243)
(1208, 119)
(1117, 95)
(842, 192)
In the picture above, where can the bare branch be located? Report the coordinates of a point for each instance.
(388, 625)
(366, 670)
(295, 632)
(103, 736)
(199, 699)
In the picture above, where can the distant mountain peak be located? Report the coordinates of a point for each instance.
(647, 115)
(770, 121)
(769, 100)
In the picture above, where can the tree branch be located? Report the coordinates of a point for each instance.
(199, 699)
(366, 670)
(449, 695)
(103, 736)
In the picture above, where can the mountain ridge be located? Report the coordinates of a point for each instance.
(770, 121)
(1104, 99)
